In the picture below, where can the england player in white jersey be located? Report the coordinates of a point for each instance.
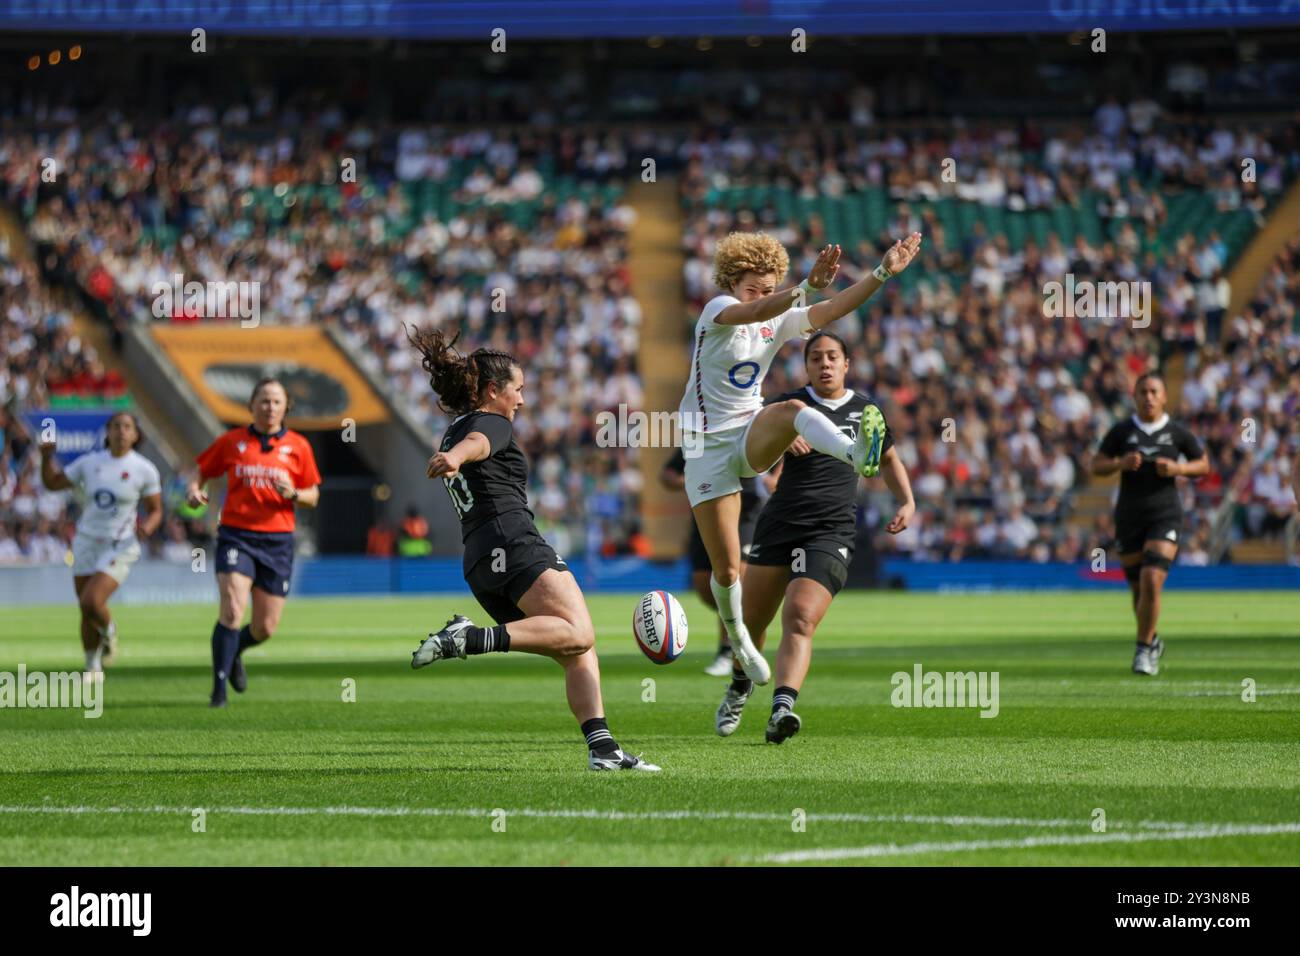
(737, 336)
(109, 486)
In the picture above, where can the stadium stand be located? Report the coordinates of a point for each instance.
(46, 365)
(998, 405)
(443, 221)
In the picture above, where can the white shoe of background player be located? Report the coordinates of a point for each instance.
(720, 666)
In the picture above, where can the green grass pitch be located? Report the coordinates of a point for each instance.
(411, 772)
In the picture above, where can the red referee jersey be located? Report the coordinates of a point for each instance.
(252, 503)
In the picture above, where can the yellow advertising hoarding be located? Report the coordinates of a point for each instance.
(223, 362)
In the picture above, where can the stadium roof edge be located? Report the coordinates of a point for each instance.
(633, 19)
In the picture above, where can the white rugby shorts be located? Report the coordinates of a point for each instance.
(720, 464)
(104, 556)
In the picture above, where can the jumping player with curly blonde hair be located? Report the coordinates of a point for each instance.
(736, 338)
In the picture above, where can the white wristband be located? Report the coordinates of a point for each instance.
(882, 274)
(807, 287)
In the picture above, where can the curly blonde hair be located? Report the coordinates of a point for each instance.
(742, 252)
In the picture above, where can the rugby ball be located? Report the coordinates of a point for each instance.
(659, 625)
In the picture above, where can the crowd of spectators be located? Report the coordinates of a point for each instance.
(998, 405)
(553, 289)
(1243, 397)
(43, 363)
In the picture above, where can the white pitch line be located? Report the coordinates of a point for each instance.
(565, 814)
(968, 846)
(1232, 693)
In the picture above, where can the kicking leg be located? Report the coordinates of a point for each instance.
(550, 620)
(557, 623)
(777, 425)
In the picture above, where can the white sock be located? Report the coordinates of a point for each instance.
(729, 609)
(93, 660)
(823, 435)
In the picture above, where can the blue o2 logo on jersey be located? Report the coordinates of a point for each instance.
(742, 368)
(105, 499)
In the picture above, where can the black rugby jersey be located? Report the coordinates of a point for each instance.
(1144, 490)
(495, 486)
(816, 490)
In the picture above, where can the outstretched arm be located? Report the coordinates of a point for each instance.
(898, 258)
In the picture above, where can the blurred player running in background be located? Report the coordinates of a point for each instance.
(109, 485)
(1149, 451)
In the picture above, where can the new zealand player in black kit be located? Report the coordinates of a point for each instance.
(805, 537)
(751, 503)
(510, 568)
(1145, 450)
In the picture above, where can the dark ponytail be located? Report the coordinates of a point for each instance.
(460, 382)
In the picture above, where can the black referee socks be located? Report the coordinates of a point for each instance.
(225, 645)
(485, 640)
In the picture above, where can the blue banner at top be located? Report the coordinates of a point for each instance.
(577, 19)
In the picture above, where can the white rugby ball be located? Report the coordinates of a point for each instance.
(659, 624)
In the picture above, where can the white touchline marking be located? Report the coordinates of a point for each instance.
(1232, 693)
(966, 846)
(561, 813)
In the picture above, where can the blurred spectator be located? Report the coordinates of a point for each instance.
(414, 540)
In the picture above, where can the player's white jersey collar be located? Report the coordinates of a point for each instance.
(1151, 428)
(831, 403)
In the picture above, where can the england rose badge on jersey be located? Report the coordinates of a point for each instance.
(767, 333)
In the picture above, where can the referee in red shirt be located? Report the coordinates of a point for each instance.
(268, 470)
